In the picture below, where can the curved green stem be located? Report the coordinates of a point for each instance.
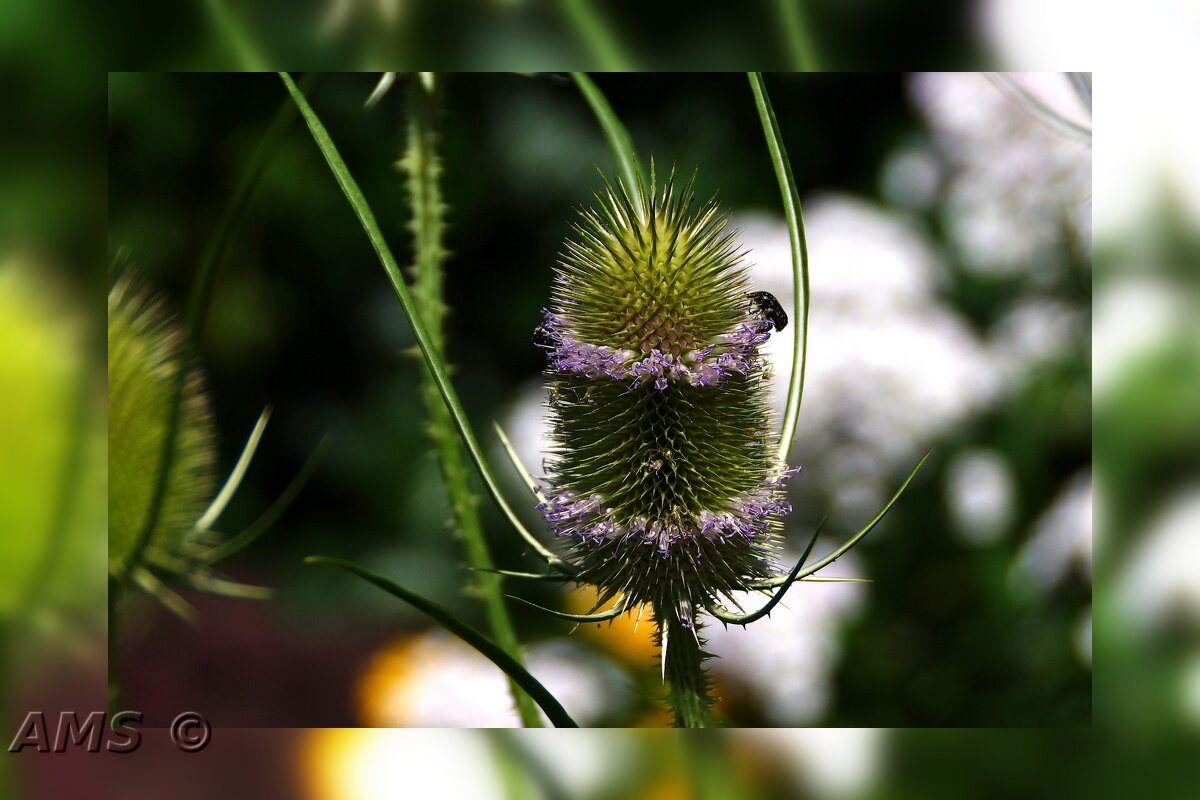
(769, 606)
(197, 314)
(602, 616)
(597, 35)
(849, 543)
(794, 21)
(366, 218)
(618, 139)
(799, 247)
(546, 701)
(511, 452)
(422, 169)
(230, 30)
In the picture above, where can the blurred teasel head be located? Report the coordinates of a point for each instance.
(161, 530)
(663, 478)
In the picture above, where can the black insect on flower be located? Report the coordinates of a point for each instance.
(769, 307)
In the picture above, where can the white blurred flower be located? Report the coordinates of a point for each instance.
(1017, 186)
(1161, 578)
(436, 680)
(1032, 33)
(1036, 330)
(528, 427)
(1190, 690)
(890, 366)
(911, 178)
(1062, 538)
(1135, 315)
(980, 494)
(785, 661)
(372, 763)
(583, 761)
(829, 762)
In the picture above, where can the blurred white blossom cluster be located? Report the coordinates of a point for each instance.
(435, 680)
(1016, 183)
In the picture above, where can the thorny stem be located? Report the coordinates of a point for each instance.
(683, 669)
(366, 218)
(422, 169)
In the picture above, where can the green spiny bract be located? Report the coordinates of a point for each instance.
(662, 474)
(144, 359)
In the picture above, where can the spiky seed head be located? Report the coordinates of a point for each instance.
(144, 360)
(662, 475)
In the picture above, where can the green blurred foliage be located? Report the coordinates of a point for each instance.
(537, 35)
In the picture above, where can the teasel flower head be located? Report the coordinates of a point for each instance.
(177, 544)
(663, 482)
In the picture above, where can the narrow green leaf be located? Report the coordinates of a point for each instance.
(799, 248)
(618, 138)
(367, 219)
(422, 169)
(601, 616)
(511, 452)
(794, 22)
(218, 504)
(448, 620)
(853, 540)
(232, 33)
(197, 314)
(597, 35)
(234, 544)
(529, 576)
(746, 619)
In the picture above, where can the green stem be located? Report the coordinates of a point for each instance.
(423, 168)
(197, 314)
(617, 136)
(230, 30)
(801, 50)
(799, 247)
(366, 218)
(597, 36)
(683, 669)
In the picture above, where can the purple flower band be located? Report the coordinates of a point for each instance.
(591, 521)
(735, 352)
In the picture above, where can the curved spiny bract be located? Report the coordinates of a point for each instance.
(662, 480)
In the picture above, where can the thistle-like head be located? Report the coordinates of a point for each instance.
(663, 479)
